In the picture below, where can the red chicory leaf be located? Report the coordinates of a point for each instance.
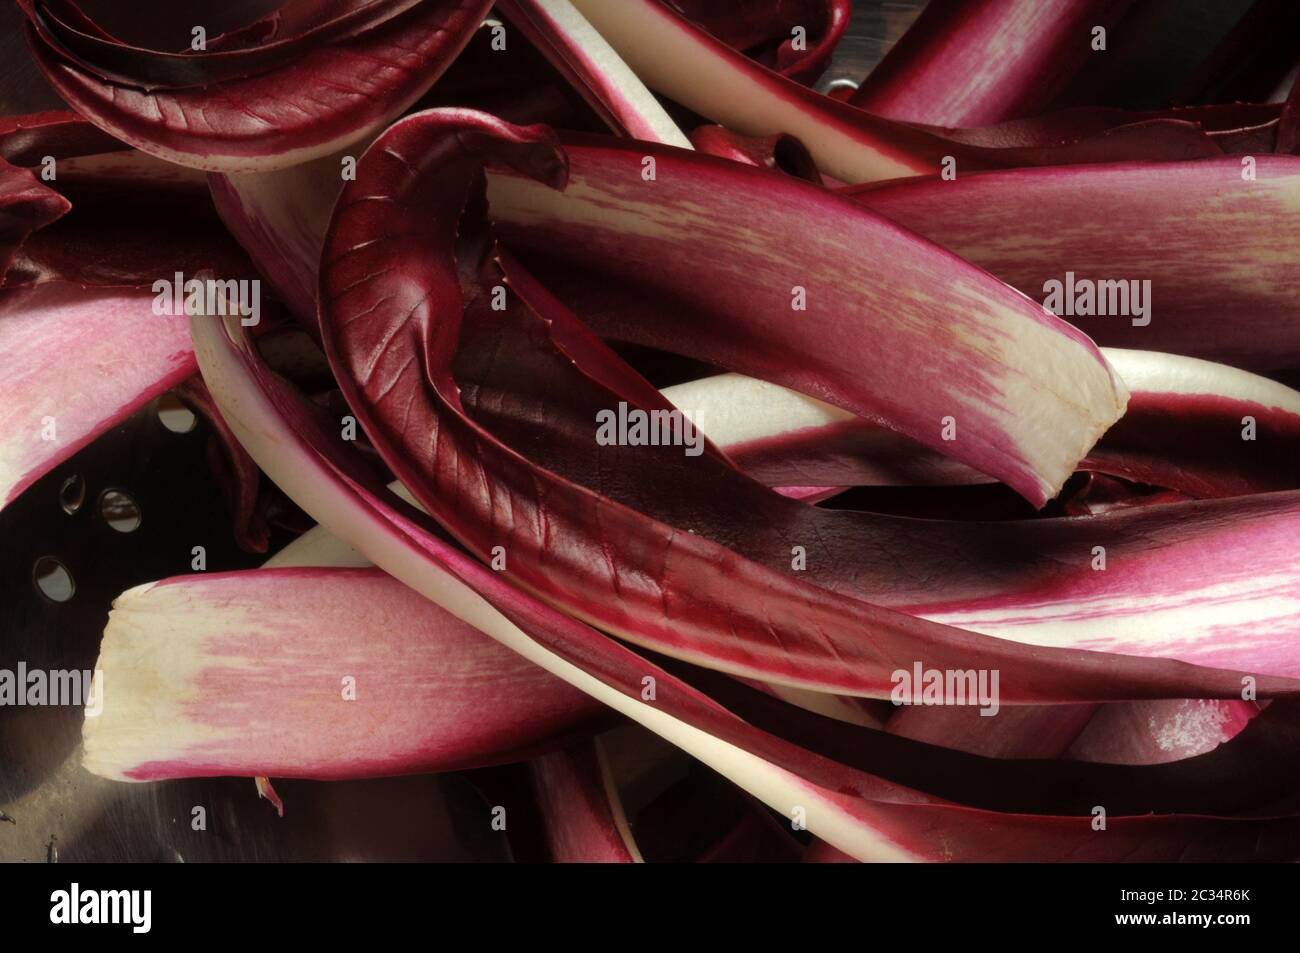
(1217, 240)
(977, 62)
(307, 463)
(678, 59)
(486, 417)
(293, 673)
(765, 30)
(1203, 429)
(705, 248)
(685, 63)
(1155, 732)
(592, 67)
(579, 801)
(1112, 606)
(234, 470)
(304, 101)
(25, 206)
(257, 48)
(84, 285)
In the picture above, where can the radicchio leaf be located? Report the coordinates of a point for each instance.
(454, 404)
(248, 673)
(308, 464)
(765, 30)
(978, 62)
(1217, 239)
(850, 145)
(715, 278)
(584, 819)
(259, 104)
(583, 56)
(25, 206)
(84, 285)
(881, 559)
(1202, 429)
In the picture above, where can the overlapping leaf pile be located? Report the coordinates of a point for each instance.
(895, 474)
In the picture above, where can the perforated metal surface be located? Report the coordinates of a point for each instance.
(55, 809)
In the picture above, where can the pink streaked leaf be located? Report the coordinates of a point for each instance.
(127, 355)
(1201, 428)
(678, 59)
(978, 62)
(82, 288)
(256, 48)
(1134, 733)
(612, 216)
(279, 218)
(1026, 731)
(273, 428)
(1035, 582)
(1219, 246)
(292, 673)
(1159, 134)
(717, 280)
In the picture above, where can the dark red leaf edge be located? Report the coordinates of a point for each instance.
(314, 105)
